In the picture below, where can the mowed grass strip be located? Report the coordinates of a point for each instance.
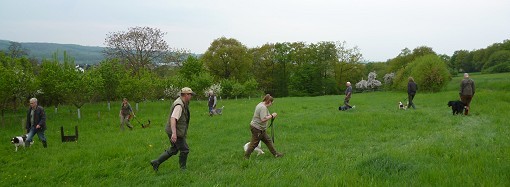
(373, 144)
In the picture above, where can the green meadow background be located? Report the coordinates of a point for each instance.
(374, 144)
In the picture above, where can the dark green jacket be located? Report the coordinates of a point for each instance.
(183, 122)
(467, 87)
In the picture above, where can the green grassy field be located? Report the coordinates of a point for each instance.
(374, 144)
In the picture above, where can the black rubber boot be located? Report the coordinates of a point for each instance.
(163, 157)
(182, 161)
(45, 145)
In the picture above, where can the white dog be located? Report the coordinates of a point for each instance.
(20, 141)
(257, 149)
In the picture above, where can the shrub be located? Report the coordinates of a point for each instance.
(430, 73)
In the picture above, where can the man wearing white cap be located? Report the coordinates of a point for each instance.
(176, 129)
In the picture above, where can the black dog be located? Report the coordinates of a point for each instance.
(457, 107)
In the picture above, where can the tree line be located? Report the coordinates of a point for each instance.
(139, 65)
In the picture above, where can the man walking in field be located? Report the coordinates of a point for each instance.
(176, 129)
(348, 94)
(36, 123)
(467, 91)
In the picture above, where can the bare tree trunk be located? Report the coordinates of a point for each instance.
(3, 122)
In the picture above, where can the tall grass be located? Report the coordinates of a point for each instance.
(373, 144)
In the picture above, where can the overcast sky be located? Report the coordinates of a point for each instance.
(379, 28)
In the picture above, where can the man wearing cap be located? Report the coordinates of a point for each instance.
(176, 129)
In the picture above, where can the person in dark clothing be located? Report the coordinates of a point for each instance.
(467, 91)
(177, 129)
(211, 102)
(36, 123)
(411, 91)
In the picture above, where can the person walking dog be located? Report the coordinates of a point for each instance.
(125, 112)
(258, 127)
(411, 91)
(177, 129)
(36, 123)
(467, 91)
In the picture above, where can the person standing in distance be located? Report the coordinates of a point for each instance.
(212, 102)
(467, 91)
(36, 123)
(124, 114)
(258, 127)
(411, 91)
(348, 94)
(177, 129)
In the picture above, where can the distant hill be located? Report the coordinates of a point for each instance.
(81, 54)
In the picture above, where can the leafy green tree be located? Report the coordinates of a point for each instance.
(325, 56)
(313, 69)
(201, 83)
(53, 79)
(479, 59)
(379, 67)
(137, 88)
(497, 58)
(348, 67)
(8, 82)
(227, 88)
(283, 59)
(84, 86)
(192, 67)
(251, 88)
(227, 59)
(111, 71)
(399, 62)
(463, 60)
(498, 62)
(265, 68)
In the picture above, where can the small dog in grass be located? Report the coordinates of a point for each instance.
(402, 106)
(19, 141)
(257, 149)
(218, 111)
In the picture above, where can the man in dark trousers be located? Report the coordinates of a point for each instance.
(176, 129)
(467, 91)
(36, 123)
(411, 91)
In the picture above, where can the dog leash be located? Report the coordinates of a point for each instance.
(272, 130)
